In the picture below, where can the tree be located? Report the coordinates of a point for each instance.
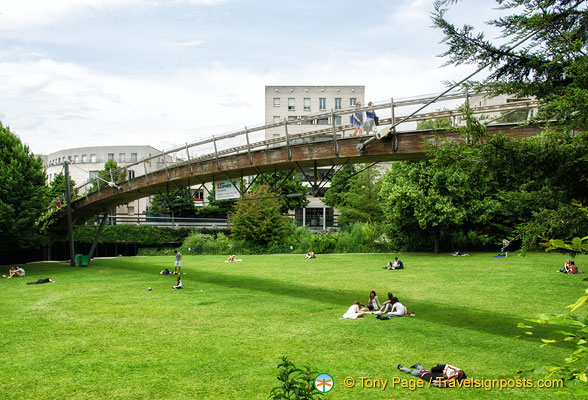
(286, 185)
(257, 218)
(550, 63)
(443, 123)
(336, 195)
(110, 175)
(178, 202)
(362, 201)
(23, 193)
(429, 197)
(57, 187)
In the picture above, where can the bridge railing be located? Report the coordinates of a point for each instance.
(248, 139)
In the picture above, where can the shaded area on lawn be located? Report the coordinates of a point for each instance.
(459, 317)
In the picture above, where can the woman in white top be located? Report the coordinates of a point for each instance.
(353, 311)
(398, 309)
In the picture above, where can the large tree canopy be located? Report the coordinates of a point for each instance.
(23, 193)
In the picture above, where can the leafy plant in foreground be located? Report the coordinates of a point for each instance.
(296, 383)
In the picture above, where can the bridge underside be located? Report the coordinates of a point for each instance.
(410, 146)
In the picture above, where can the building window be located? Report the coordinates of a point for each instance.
(291, 104)
(69, 158)
(337, 103)
(322, 103)
(76, 159)
(277, 119)
(306, 104)
(84, 158)
(121, 157)
(352, 101)
(133, 157)
(323, 121)
(276, 101)
(92, 158)
(93, 174)
(337, 120)
(199, 195)
(292, 118)
(131, 174)
(110, 156)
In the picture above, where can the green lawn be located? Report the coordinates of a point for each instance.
(97, 333)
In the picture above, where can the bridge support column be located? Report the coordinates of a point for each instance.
(95, 242)
(72, 260)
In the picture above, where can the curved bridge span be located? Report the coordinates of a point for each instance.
(324, 153)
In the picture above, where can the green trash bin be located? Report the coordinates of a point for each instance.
(84, 261)
(78, 259)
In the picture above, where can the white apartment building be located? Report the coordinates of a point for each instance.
(294, 102)
(86, 162)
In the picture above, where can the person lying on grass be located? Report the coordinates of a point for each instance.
(164, 272)
(40, 281)
(178, 284)
(309, 255)
(440, 375)
(353, 312)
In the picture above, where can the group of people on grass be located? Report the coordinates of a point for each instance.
(570, 267)
(388, 309)
(16, 271)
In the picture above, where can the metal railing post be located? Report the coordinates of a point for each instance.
(216, 153)
(287, 139)
(335, 144)
(248, 147)
(189, 160)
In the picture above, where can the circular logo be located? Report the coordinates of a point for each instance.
(323, 383)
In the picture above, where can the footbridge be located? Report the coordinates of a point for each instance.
(303, 145)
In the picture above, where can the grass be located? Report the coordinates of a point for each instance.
(97, 333)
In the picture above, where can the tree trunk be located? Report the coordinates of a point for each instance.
(436, 233)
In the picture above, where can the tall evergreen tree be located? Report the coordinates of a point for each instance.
(551, 63)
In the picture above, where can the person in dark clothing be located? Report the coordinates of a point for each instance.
(40, 281)
(439, 375)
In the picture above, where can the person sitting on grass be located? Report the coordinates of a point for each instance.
(566, 267)
(387, 305)
(573, 268)
(396, 265)
(439, 375)
(231, 258)
(373, 302)
(178, 284)
(20, 272)
(40, 281)
(398, 309)
(353, 312)
(309, 255)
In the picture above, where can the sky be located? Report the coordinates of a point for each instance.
(76, 73)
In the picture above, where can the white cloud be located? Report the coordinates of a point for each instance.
(191, 43)
(15, 14)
